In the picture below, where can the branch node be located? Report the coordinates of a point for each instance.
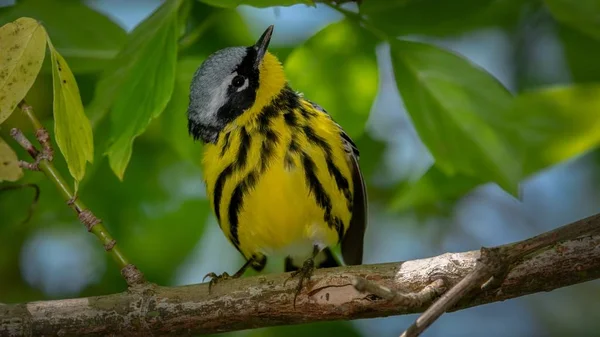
(29, 166)
(46, 154)
(110, 244)
(132, 275)
(43, 138)
(88, 219)
(20, 138)
(72, 204)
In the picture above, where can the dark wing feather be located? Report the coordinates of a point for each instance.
(353, 241)
(352, 244)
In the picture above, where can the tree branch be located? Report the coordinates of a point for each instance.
(493, 265)
(261, 301)
(43, 162)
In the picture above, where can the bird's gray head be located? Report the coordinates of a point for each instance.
(223, 87)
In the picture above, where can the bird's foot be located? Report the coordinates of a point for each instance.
(214, 279)
(308, 267)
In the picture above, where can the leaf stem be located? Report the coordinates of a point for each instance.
(92, 223)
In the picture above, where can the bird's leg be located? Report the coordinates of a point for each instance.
(214, 278)
(305, 272)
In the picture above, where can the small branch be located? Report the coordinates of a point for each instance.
(493, 266)
(263, 300)
(43, 162)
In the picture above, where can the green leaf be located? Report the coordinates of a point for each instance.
(556, 124)
(222, 28)
(87, 39)
(432, 187)
(582, 53)
(9, 163)
(337, 69)
(22, 50)
(72, 128)
(453, 105)
(138, 85)
(550, 125)
(583, 15)
(439, 18)
(174, 120)
(255, 3)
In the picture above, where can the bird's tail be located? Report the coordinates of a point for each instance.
(324, 259)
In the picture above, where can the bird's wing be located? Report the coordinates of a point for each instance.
(352, 243)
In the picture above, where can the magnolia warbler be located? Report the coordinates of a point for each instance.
(281, 175)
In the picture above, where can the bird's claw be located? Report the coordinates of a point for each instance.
(305, 274)
(214, 278)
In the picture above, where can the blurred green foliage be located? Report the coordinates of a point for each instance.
(87, 38)
(145, 180)
(350, 86)
(452, 105)
(128, 87)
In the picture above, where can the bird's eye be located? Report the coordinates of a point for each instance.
(238, 81)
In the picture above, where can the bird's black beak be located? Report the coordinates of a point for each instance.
(262, 44)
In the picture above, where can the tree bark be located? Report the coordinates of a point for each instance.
(261, 301)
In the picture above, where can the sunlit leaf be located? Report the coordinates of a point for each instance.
(22, 49)
(87, 39)
(556, 124)
(583, 15)
(453, 104)
(174, 119)
(9, 163)
(138, 85)
(255, 3)
(550, 125)
(439, 18)
(72, 128)
(432, 187)
(337, 69)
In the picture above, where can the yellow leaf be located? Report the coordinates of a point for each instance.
(72, 128)
(22, 49)
(9, 164)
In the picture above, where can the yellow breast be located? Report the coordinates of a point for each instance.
(277, 184)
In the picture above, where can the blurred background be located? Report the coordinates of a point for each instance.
(159, 213)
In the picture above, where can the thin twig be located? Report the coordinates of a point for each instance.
(43, 162)
(495, 263)
(448, 300)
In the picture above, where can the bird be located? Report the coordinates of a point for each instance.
(282, 177)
